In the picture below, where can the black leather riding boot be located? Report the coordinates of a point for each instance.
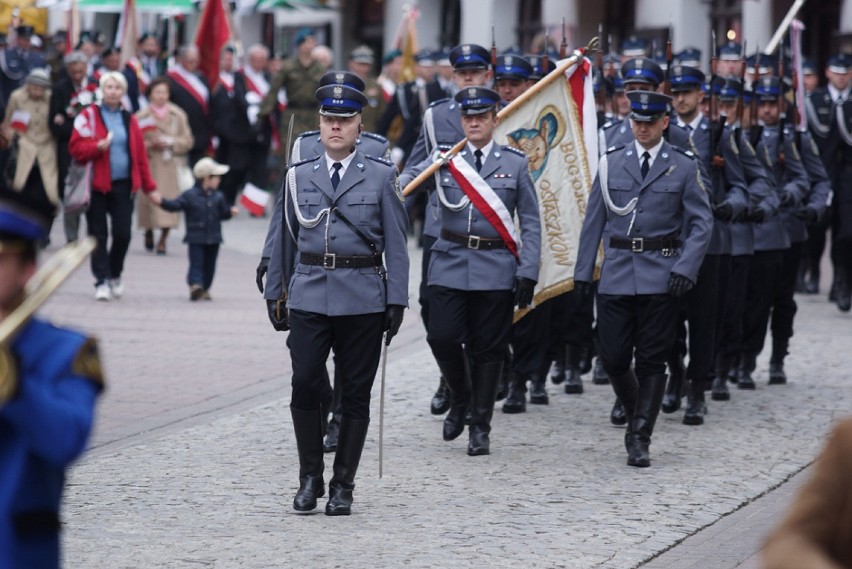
(353, 433)
(626, 390)
(485, 377)
(696, 408)
(720, 392)
(307, 426)
(777, 376)
(573, 381)
(648, 402)
(599, 375)
(441, 400)
(674, 388)
(557, 367)
(331, 428)
(538, 392)
(516, 399)
(747, 364)
(456, 382)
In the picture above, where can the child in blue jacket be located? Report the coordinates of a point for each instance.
(204, 208)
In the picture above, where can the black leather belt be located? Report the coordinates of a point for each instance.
(332, 261)
(640, 244)
(472, 241)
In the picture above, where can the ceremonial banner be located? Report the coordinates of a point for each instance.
(549, 129)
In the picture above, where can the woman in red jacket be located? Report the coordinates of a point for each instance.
(109, 137)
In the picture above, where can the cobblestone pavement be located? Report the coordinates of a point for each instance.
(194, 462)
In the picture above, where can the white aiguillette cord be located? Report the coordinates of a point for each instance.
(382, 404)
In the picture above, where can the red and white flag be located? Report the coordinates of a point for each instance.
(557, 129)
(211, 36)
(20, 120)
(254, 200)
(147, 124)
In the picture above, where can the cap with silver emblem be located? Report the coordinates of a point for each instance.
(340, 100)
(477, 100)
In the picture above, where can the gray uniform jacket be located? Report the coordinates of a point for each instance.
(307, 145)
(728, 183)
(772, 235)
(761, 196)
(443, 119)
(368, 195)
(672, 202)
(459, 267)
(820, 192)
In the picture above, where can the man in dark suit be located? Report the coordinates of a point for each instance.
(190, 92)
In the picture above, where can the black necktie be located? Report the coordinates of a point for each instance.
(478, 155)
(335, 176)
(645, 157)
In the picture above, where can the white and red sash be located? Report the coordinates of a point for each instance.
(256, 81)
(485, 200)
(226, 80)
(193, 85)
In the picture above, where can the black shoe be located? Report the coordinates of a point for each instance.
(746, 367)
(484, 378)
(812, 285)
(455, 420)
(538, 393)
(573, 382)
(674, 388)
(557, 370)
(844, 301)
(599, 375)
(647, 409)
(720, 391)
(516, 400)
(696, 408)
(638, 452)
(584, 360)
(776, 373)
(479, 443)
(441, 399)
(332, 431)
(617, 416)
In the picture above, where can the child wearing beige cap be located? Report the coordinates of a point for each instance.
(204, 208)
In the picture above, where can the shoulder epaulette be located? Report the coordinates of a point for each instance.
(514, 150)
(444, 147)
(614, 148)
(305, 161)
(380, 160)
(439, 102)
(308, 133)
(685, 152)
(374, 136)
(611, 124)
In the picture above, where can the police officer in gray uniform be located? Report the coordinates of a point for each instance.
(442, 127)
(771, 238)
(479, 269)
(649, 206)
(16, 61)
(344, 213)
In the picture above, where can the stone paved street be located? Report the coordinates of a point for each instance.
(194, 463)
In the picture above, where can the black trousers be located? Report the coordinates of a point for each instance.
(643, 325)
(117, 205)
(531, 339)
(700, 312)
(428, 241)
(202, 264)
(731, 338)
(784, 308)
(357, 343)
(761, 293)
(479, 320)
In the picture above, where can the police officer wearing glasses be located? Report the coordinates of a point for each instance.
(346, 264)
(651, 209)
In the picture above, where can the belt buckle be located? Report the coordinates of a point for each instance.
(473, 241)
(329, 261)
(637, 245)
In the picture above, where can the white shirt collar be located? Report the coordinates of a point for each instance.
(838, 94)
(694, 123)
(640, 150)
(329, 162)
(486, 150)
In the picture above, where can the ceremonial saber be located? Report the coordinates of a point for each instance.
(382, 406)
(506, 111)
(785, 23)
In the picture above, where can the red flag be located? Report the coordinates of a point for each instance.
(212, 35)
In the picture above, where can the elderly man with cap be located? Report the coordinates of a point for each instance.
(297, 77)
(716, 149)
(409, 102)
(345, 262)
(361, 62)
(310, 144)
(825, 107)
(17, 60)
(442, 126)
(480, 268)
(654, 243)
(772, 240)
(48, 391)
